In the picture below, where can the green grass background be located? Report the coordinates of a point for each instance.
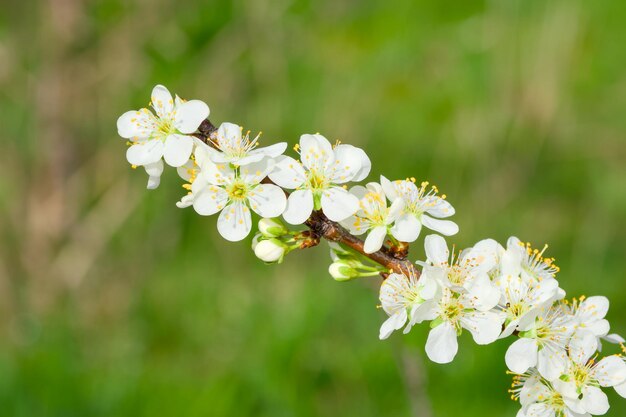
(113, 302)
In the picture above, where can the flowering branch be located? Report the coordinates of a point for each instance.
(322, 227)
(488, 290)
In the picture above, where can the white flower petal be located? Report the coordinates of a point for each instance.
(145, 153)
(485, 326)
(551, 362)
(569, 393)
(395, 210)
(136, 124)
(346, 164)
(394, 322)
(217, 174)
(599, 328)
(610, 371)
(185, 201)
(406, 228)
(210, 200)
(445, 227)
(375, 239)
(299, 207)
(429, 287)
(614, 338)
(521, 355)
(255, 172)
(287, 173)
(189, 115)
(359, 191)
(187, 170)
(389, 188)
(272, 151)
(229, 136)
(234, 223)
(154, 171)
(485, 293)
(177, 150)
(338, 204)
(267, 200)
(442, 345)
(594, 401)
(621, 389)
(540, 410)
(510, 263)
(389, 290)
(484, 256)
(366, 166)
(203, 152)
(426, 311)
(436, 250)
(582, 346)
(316, 152)
(593, 308)
(355, 226)
(162, 101)
(440, 208)
(246, 160)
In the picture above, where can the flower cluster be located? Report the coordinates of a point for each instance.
(489, 290)
(494, 292)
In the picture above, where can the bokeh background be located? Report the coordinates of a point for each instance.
(113, 302)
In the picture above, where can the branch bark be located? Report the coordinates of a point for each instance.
(322, 227)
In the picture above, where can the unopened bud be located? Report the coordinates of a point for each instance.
(338, 252)
(256, 239)
(270, 251)
(272, 227)
(341, 271)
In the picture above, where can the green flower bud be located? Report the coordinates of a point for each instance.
(341, 271)
(272, 228)
(270, 251)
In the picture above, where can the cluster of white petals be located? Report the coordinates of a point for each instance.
(494, 292)
(489, 290)
(164, 136)
(316, 179)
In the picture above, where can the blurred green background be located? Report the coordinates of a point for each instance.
(113, 302)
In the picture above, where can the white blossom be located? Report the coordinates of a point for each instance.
(543, 345)
(164, 135)
(317, 177)
(220, 187)
(521, 259)
(452, 313)
(233, 147)
(373, 215)
(541, 398)
(469, 272)
(422, 207)
(585, 376)
(523, 297)
(406, 299)
(589, 314)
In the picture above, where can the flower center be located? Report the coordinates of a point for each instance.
(373, 206)
(237, 191)
(555, 401)
(457, 275)
(412, 295)
(517, 310)
(453, 310)
(165, 127)
(317, 181)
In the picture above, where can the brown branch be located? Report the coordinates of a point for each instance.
(391, 258)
